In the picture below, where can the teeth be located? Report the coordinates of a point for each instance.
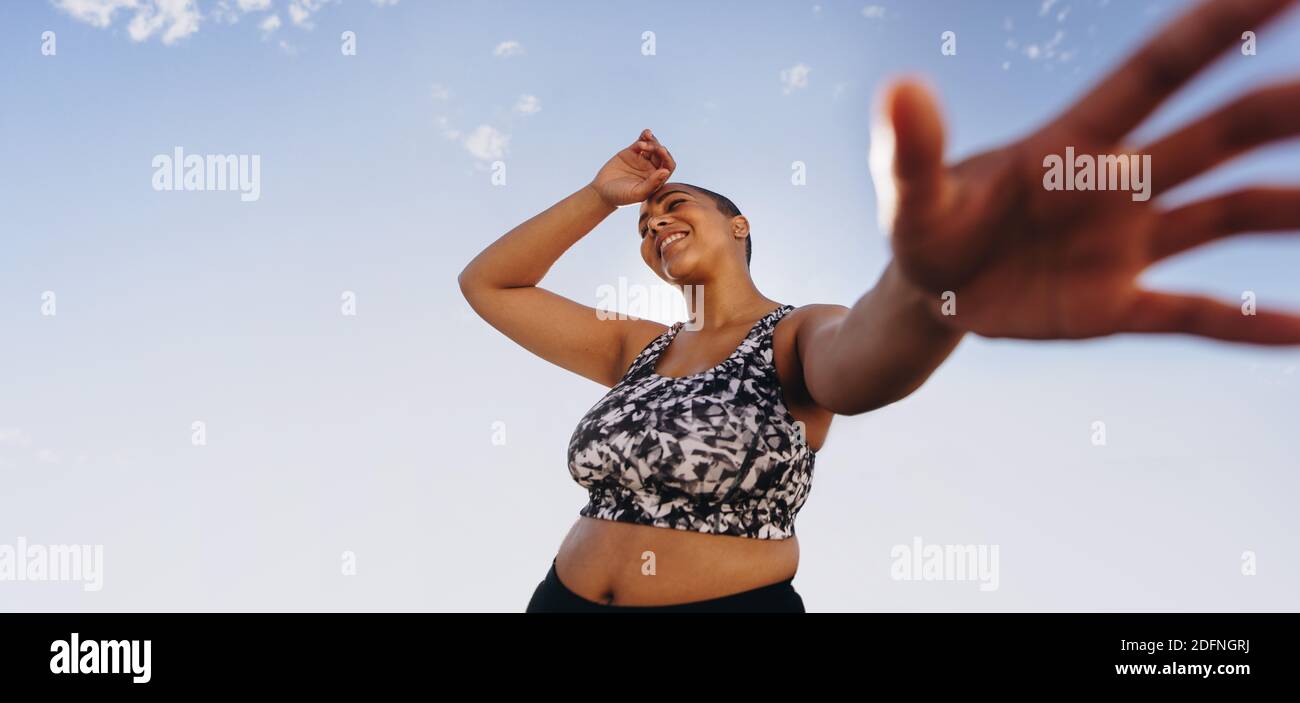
(671, 238)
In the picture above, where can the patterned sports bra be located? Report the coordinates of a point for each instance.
(716, 451)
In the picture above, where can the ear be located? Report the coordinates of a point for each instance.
(739, 226)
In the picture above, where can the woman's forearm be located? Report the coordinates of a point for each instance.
(884, 348)
(522, 256)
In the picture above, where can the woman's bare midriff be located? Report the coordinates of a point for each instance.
(602, 561)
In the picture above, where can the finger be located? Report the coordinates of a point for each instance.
(1126, 96)
(1249, 210)
(907, 150)
(1158, 312)
(646, 136)
(651, 183)
(1260, 117)
(666, 158)
(646, 151)
(918, 136)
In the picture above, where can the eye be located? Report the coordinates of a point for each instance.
(668, 207)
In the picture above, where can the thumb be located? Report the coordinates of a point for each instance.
(907, 152)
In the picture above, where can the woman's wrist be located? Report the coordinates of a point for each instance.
(591, 191)
(921, 304)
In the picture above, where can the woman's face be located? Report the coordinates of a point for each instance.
(682, 232)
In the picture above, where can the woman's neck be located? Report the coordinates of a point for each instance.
(715, 306)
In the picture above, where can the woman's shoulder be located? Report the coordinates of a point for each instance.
(797, 330)
(814, 315)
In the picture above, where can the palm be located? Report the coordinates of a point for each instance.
(1024, 261)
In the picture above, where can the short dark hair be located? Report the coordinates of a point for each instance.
(729, 210)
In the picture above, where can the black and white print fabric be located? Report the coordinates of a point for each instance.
(716, 451)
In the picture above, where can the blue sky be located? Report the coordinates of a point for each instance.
(372, 433)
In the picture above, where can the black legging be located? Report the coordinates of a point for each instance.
(552, 596)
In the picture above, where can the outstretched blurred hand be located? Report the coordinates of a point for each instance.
(1031, 262)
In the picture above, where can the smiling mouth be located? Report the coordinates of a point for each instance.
(671, 239)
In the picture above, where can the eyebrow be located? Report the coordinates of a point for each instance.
(658, 200)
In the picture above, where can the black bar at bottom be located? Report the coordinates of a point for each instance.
(247, 651)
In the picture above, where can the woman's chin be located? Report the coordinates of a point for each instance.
(676, 268)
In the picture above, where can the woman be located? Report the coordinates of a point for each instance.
(701, 455)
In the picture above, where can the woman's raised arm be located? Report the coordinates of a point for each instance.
(501, 282)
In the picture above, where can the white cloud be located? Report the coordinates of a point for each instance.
(269, 25)
(300, 11)
(873, 12)
(444, 126)
(14, 437)
(97, 13)
(172, 20)
(528, 105)
(794, 78)
(487, 143)
(175, 19)
(300, 14)
(224, 13)
(1056, 40)
(506, 49)
(1049, 49)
